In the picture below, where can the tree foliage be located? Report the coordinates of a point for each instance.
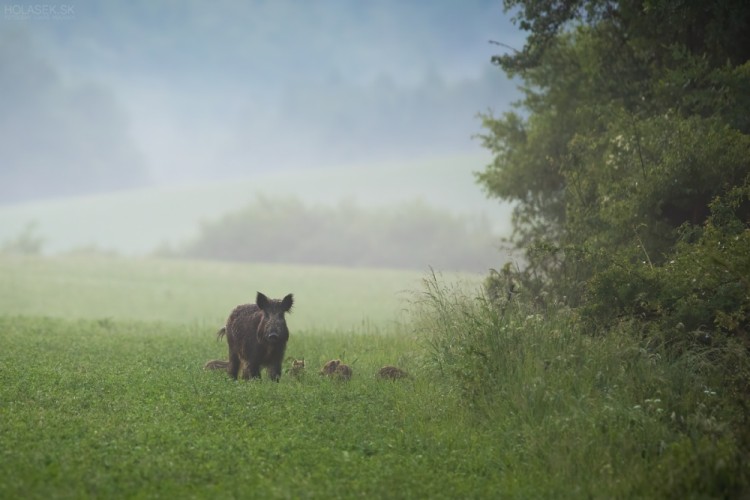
(628, 161)
(634, 121)
(409, 235)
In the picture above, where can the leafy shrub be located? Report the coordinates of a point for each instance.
(411, 235)
(701, 293)
(629, 170)
(591, 408)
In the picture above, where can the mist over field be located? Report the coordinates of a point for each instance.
(101, 97)
(163, 161)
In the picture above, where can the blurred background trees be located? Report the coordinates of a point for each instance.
(410, 235)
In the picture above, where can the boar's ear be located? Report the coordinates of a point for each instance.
(261, 301)
(287, 302)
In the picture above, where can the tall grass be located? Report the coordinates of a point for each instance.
(584, 415)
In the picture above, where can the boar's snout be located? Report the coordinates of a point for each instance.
(274, 337)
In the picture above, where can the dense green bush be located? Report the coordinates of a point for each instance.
(634, 120)
(409, 235)
(629, 168)
(612, 414)
(702, 291)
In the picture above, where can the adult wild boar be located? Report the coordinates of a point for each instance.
(257, 335)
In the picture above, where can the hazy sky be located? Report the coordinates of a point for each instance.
(99, 95)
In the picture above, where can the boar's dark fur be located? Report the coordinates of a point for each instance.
(257, 335)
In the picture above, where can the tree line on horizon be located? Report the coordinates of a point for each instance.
(409, 235)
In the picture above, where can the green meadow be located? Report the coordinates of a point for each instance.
(203, 292)
(103, 395)
(103, 392)
(118, 409)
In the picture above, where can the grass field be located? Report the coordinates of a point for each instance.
(201, 292)
(118, 409)
(102, 393)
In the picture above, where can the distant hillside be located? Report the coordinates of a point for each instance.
(98, 96)
(140, 221)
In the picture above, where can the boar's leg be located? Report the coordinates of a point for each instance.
(252, 370)
(274, 371)
(234, 365)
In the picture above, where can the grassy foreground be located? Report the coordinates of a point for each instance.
(102, 391)
(106, 397)
(122, 409)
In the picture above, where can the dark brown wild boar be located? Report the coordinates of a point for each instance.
(256, 335)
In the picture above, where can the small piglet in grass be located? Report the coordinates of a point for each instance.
(391, 373)
(337, 370)
(257, 335)
(298, 368)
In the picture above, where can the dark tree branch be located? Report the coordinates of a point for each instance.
(493, 42)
